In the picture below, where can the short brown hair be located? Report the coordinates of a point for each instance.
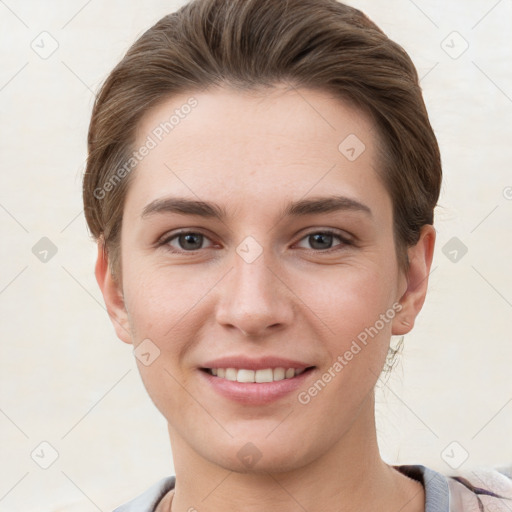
(248, 44)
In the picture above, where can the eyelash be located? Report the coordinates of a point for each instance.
(344, 241)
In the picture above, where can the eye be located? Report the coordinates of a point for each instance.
(323, 240)
(190, 241)
(185, 241)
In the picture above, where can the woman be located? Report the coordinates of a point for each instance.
(261, 182)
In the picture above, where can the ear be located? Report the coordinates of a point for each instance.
(112, 294)
(420, 261)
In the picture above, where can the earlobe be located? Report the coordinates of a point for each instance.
(420, 262)
(112, 295)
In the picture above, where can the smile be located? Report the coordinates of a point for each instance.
(256, 387)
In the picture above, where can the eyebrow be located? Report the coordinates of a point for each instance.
(302, 207)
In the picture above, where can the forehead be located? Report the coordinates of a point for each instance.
(254, 143)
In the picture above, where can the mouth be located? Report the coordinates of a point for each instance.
(256, 387)
(260, 376)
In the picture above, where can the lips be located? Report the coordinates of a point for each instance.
(255, 381)
(252, 393)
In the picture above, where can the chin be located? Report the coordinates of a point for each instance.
(260, 456)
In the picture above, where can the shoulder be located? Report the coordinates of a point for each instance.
(481, 488)
(149, 499)
(474, 490)
(477, 489)
(435, 484)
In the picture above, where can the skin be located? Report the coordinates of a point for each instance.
(252, 153)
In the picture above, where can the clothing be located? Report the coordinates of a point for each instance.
(477, 490)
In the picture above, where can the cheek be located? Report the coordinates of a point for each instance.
(357, 307)
(163, 306)
(350, 299)
(160, 299)
(163, 301)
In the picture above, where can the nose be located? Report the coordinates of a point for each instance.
(254, 298)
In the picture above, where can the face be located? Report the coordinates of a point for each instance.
(290, 263)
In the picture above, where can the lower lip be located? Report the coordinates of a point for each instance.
(252, 393)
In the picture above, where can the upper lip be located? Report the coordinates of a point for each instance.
(259, 363)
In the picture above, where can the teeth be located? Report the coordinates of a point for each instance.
(264, 375)
(279, 373)
(230, 374)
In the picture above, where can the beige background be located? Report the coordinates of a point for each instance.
(67, 380)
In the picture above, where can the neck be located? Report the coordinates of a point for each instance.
(349, 477)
